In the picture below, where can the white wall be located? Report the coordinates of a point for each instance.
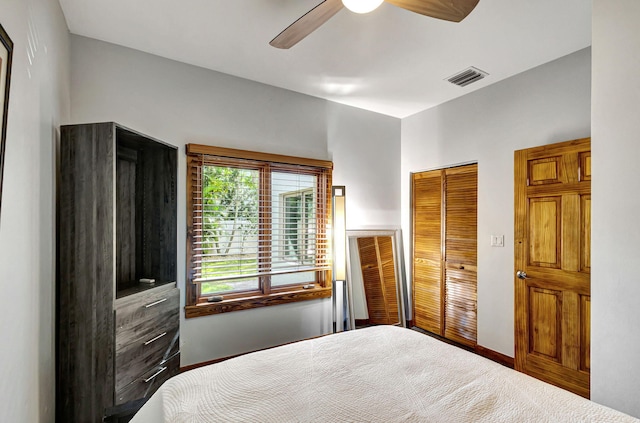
(615, 281)
(39, 103)
(180, 104)
(547, 104)
(366, 155)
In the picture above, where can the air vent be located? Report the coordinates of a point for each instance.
(467, 76)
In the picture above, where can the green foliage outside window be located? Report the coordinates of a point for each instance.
(230, 224)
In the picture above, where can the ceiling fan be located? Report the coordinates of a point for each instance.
(449, 10)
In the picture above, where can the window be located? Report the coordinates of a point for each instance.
(257, 229)
(299, 225)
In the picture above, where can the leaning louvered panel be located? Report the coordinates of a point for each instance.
(427, 250)
(375, 300)
(385, 249)
(461, 254)
(372, 280)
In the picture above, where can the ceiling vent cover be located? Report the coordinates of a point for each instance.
(467, 76)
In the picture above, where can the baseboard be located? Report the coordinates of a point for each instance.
(206, 363)
(505, 360)
(485, 352)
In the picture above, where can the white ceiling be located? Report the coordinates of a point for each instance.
(390, 61)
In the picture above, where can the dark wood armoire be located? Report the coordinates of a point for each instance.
(117, 301)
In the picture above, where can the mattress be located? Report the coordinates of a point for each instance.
(377, 374)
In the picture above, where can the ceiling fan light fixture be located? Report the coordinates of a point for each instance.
(362, 6)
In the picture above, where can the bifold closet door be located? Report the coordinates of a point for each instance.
(460, 257)
(427, 250)
(445, 252)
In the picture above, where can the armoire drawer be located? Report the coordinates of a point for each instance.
(141, 315)
(144, 353)
(145, 385)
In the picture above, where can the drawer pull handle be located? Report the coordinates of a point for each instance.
(156, 338)
(155, 303)
(150, 378)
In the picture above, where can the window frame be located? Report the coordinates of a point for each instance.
(300, 230)
(198, 305)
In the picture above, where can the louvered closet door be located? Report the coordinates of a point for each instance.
(445, 252)
(460, 266)
(427, 250)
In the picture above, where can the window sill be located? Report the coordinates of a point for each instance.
(235, 304)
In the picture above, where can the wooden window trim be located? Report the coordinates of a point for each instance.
(208, 150)
(256, 301)
(199, 306)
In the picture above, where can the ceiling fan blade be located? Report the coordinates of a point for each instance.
(448, 10)
(304, 26)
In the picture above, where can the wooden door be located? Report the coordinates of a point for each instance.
(444, 252)
(552, 250)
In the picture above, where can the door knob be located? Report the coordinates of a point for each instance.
(521, 274)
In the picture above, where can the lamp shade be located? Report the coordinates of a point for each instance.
(339, 234)
(362, 6)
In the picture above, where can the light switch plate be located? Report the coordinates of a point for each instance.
(497, 240)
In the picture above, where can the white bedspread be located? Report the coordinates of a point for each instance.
(378, 374)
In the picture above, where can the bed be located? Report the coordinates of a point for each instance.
(377, 374)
